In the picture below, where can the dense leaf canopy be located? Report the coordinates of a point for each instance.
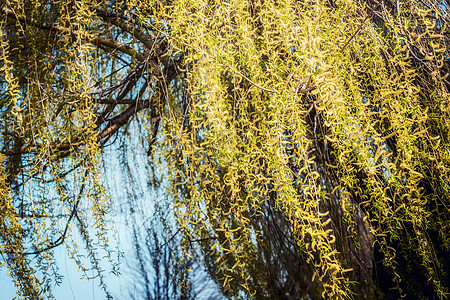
(306, 143)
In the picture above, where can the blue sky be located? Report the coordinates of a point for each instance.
(75, 288)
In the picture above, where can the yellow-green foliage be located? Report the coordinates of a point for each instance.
(53, 156)
(320, 108)
(328, 120)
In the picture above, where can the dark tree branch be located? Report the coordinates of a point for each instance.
(94, 38)
(116, 20)
(62, 238)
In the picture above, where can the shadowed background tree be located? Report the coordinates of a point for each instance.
(306, 143)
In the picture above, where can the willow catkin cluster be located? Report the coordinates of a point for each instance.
(319, 108)
(53, 178)
(306, 142)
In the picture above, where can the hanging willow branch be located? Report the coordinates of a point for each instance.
(305, 142)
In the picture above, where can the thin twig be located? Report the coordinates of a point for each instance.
(253, 83)
(359, 28)
(62, 238)
(168, 241)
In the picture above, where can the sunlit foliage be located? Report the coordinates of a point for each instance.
(319, 110)
(306, 142)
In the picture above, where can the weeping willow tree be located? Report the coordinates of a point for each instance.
(306, 142)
